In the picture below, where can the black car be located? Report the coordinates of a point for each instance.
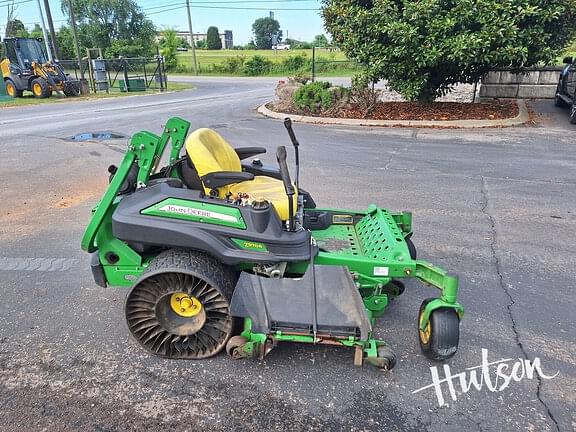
(566, 90)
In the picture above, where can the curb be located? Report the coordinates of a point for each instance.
(521, 118)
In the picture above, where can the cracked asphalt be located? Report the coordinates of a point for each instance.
(494, 206)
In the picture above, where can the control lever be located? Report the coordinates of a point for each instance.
(288, 186)
(295, 143)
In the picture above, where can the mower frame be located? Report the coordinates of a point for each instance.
(115, 263)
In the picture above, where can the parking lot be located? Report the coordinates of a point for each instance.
(495, 206)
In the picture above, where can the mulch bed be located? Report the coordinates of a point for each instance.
(437, 111)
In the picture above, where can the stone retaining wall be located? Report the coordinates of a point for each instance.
(536, 83)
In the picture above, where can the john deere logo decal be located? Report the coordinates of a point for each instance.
(197, 211)
(188, 211)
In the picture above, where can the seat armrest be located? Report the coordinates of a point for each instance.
(222, 178)
(262, 170)
(246, 152)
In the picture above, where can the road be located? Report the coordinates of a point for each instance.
(494, 206)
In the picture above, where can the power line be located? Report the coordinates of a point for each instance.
(9, 3)
(192, 3)
(167, 10)
(234, 8)
(169, 7)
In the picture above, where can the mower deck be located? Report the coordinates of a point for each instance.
(322, 302)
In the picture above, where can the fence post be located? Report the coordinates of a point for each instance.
(313, 63)
(159, 67)
(90, 71)
(125, 67)
(164, 74)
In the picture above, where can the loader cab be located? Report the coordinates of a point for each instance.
(21, 53)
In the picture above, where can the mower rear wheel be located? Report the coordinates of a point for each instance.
(180, 307)
(439, 340)
(41, 89)
(11, 89)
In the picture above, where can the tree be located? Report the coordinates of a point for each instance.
(10, 17)
(119, 27)
(65, 40)
(169, 44)
(264, 29)
(36, 32)
(201, 44)
(320, 41)
(213, 41)
(424, 47)
(15, 28)
(183, 43)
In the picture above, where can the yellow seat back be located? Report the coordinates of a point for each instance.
(210, 153)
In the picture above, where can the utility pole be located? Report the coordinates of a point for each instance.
(75, 34)
(51, 28)
(194, 64)
(48, 50)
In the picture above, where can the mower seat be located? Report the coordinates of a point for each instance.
(210, 153)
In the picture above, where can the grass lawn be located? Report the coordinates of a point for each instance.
(207, 57)
(209, 60)
(29, 99)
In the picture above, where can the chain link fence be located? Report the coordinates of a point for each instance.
(324, 62)
(122, 74)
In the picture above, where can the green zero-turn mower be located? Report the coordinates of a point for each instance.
(220, 253)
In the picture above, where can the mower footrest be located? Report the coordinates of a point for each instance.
(287, 305)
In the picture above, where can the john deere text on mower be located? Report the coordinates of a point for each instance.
(224, 253)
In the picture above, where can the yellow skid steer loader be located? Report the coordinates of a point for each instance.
(26, 68)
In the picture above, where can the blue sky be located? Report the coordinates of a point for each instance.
(300, 24)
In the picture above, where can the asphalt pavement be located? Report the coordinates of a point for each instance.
(495, 206)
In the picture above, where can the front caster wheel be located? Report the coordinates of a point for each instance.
(439, 339)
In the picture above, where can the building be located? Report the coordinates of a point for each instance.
(226, 38)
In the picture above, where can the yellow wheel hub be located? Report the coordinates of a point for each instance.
(37, 89)
(425, 334)
(10, 90)
(185, 305)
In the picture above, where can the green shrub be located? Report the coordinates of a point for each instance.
(183, 68)
(257, 65)
(231, 65)
(295, 63)
(314, 96)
